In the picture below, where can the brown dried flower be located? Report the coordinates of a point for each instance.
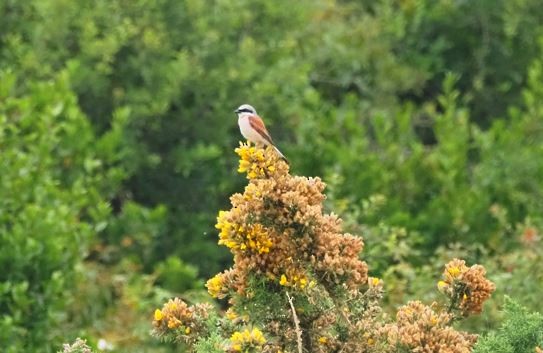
(421, 329)
(466, 287)
(277, 229)
(299, 278)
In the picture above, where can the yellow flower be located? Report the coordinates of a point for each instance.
(158, 315)
(220, 219)
(171, 306)
(442, 285)
(257, 336)
(323, 340)
(244, 166)
(187, 330)
(231, 314)
(303, 283)
(215, 286)
(245, 339)
(174, 323)
(237, 337)
(454, 271)
(283, 280)
(373, 281)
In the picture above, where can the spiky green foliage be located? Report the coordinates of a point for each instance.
(521, 332)
(210, 345)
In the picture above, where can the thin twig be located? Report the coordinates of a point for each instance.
(342, 313)
(296, 324)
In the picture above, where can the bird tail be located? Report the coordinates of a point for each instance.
(281, 154)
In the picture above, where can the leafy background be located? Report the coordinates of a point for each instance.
(116, 135)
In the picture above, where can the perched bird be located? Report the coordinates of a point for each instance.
(253, 129)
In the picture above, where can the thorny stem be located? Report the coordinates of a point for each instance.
(459, 292)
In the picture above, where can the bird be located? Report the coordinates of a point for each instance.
(253, 129)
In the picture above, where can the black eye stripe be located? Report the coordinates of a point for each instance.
(245, 110)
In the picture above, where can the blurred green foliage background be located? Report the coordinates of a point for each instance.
(425, 117)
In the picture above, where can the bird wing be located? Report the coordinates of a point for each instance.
(256, 123)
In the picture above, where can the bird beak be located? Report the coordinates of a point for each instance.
(236, 111)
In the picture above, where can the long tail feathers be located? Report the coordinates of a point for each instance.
(276, 149)
(281, 155)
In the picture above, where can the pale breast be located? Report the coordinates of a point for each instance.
(247, 131)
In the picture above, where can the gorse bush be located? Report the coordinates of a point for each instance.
(298, 285)
(284, 212)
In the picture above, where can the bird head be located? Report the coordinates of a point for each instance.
(245, 109)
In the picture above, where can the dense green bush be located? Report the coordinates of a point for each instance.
(51, 204)
(424, 115)
(449, 191)
(356, 81)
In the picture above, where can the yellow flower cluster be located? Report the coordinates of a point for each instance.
(277, 229)
(215, 286)
(236, 236)
(243, 341)
(255, 162)
(174, 314)
(295, 280)
(181, 322)
(221, 283)
(467, 287)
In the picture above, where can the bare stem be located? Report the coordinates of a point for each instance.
(296, 324)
